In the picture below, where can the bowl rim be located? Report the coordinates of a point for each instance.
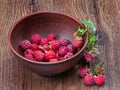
(43, 12)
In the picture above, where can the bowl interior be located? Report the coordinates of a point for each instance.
(44, 24)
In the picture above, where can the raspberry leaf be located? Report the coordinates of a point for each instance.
(90, 24)
(82, 31)
(92, 40)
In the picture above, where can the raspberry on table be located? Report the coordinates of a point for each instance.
(28, 51)
(68, 55)
(71, 48)
(34, 47)
(36, 38)
(100, 80)
(78, 43)
(51, 37)
(63, 51)
(88, 57)
(54, 44)
(63, 42)
(89, 80)
(25, 44)
(44, 41)
(84, 71)
(50, 55)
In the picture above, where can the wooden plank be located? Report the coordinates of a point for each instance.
(69, 80)
(12, 71)
(106, 15)
(1, 31)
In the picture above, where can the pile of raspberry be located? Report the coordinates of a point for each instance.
(94, 76)
(49, 49)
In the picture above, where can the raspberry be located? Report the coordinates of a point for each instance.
(44, 41)
(25, 44)
(36, 38)
(100, 80)
(46, 47)
(61, 58)
(28, 51)
(63, 51)
(29, 56)
(39, 55)
(36, 53)
(53, 60)
(88, 57)
(50, 55)
(63, 42)
(51, 37)
(84, 71)
(57, 56)
(77, 43)
(71, 48)
(54, 44)
(89, 80)
(34, 47)
(68, 55)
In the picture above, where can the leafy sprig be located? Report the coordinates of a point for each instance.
(92, 38)
(80, 33)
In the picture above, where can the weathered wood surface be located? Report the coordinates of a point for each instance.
(105, 14)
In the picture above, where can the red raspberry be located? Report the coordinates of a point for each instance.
(50, 55)
(46, 47)
(84, 71)
(88, 57)
(63, 51)
(61, 58)
(44, 41)
(100, 80)
(63, 42)
(34, 47)
(39, 55)
(71, 48)
(57, 56)
(25, 44)
(36, 38)
(77, 43)
(53, 60)
(29, 56)
(89, 80)
(28, 51)
(54, 44)
(68, 55)
(51, 37)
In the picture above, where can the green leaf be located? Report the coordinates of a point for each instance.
(93, 39)
(82, 31)
(90, 24)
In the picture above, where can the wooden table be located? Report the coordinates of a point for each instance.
(104, 13)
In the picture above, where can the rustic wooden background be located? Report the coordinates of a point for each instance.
(104, 13)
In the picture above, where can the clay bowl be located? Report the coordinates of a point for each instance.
(45, 23)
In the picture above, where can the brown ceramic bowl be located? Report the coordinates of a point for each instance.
(45, 23)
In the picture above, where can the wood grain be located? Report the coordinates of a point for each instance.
(104, 13)
(1, 31)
